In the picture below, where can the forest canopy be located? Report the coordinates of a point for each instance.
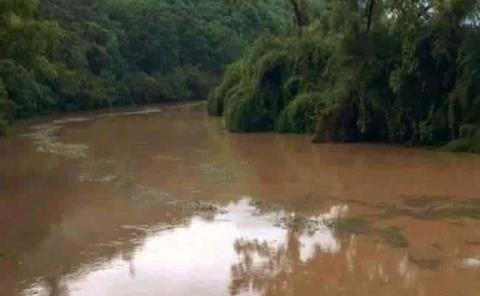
(363, 70)
(84, 54)
(342, 70)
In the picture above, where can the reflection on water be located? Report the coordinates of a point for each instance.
(242, 251)
(235, 252)
(153, 202)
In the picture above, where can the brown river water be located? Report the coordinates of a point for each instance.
(162, 201)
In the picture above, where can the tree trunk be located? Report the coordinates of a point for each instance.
(300, 15)
(370, 8)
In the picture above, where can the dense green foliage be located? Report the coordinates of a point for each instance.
(364, 70)
(84, 54)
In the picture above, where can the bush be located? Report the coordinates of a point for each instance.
(218, 95)
(246, 115)
(251, 95)
(299, 115)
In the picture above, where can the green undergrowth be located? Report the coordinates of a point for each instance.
(469, 140)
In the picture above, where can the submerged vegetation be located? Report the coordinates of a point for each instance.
(426, 209)
(363, 70)
(84, 54)
(361, 226)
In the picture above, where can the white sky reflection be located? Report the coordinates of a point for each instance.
(198, 257)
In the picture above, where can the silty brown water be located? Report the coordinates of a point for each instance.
(162, 201)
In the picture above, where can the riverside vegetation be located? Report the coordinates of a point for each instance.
(363, 70)
(342, 70)
(58, 55)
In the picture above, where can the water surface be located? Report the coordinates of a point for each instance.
(162, 201)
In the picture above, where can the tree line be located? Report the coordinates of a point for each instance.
(363, 70)
(84, 54)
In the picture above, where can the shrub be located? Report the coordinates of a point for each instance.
(299, 115)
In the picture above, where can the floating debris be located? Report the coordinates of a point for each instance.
(433, 209)
(46, 141)
(431, 264)
(139, 112)
(103, 179)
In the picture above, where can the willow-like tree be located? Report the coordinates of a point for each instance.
(364, 70)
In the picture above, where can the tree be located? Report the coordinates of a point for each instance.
(376, 70)
(84, 54)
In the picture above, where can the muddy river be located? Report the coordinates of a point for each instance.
(162, 201)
